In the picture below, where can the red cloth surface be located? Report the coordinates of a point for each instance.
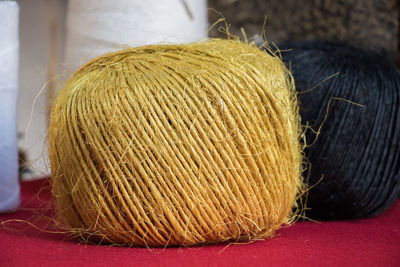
(367, 242)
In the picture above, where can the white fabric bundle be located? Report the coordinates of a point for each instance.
(98, 26)
(9, 46)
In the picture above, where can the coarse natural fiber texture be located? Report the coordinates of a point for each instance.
(177, 145)
(357, 153)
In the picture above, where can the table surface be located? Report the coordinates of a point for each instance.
(29, 238)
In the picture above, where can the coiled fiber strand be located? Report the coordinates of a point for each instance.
(176, 145)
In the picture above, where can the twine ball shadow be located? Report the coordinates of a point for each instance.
(358, 150)
(176, 145)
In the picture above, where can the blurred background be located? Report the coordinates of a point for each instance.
(56, 36)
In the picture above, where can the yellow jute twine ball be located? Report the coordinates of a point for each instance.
(176, 145)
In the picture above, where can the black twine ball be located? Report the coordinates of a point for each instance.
(357, 153)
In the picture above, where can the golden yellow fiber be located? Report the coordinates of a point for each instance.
(176, 145)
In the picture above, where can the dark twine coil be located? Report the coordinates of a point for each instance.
(358, 150)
